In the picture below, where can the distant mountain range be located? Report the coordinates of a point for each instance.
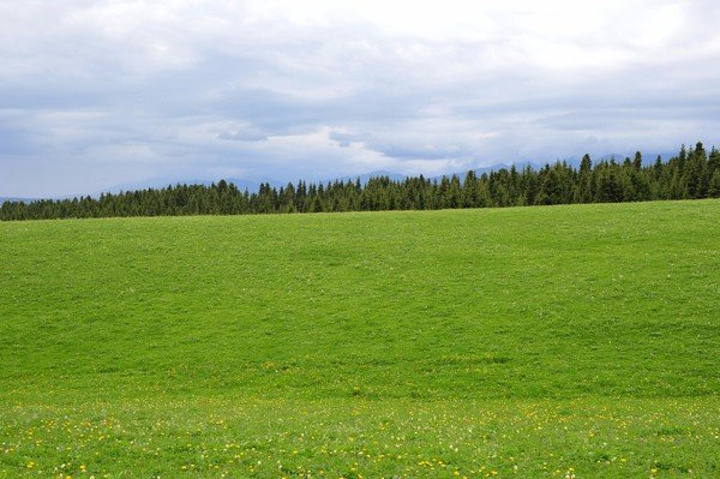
(25, 200)
(254, 185)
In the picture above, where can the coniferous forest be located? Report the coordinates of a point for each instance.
(692, 174)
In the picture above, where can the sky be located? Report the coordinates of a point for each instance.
(95, 94)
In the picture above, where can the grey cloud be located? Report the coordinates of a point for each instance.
(428, 152)
(344, 140)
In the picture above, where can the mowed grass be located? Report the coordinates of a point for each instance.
(572, 341)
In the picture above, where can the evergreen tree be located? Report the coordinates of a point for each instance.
(714, 185)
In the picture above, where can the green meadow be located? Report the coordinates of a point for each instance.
(544, 342)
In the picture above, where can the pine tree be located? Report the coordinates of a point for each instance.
(585, 190)
(714, 185)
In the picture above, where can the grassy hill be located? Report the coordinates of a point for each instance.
(530, 342)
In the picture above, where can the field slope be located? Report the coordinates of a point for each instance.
(571, 341)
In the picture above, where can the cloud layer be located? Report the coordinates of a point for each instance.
(97, 93)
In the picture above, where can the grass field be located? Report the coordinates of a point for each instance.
(558, 342)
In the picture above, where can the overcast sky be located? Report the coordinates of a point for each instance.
(99, 93)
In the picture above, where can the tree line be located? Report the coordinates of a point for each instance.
(692, 174)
